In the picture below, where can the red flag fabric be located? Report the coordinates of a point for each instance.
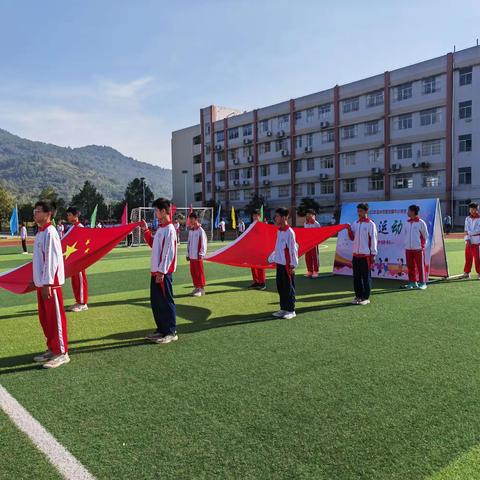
(253, 247)
(188, 217)
(125, 215)
(82, 247)
(173, 210)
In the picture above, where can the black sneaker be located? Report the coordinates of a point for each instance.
(253, 285)
(261, 286)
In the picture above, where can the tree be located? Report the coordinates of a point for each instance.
(48, 193)
(134, 194)
(25, 212)
(307, 203)
(86, 199)
(117, 210)
(255, 203)
(6, 205)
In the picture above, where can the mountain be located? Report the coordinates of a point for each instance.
(26, 167)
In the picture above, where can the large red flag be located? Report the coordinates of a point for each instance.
(254, 246)
(82, 247)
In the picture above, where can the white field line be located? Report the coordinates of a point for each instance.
(69, 467)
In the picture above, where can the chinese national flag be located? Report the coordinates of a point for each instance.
(82, 247)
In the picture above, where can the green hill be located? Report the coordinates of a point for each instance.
(27, 166)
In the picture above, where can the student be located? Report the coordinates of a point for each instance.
(196, 250)
(311, 257)
(221, 229)
(48, 277)
(472, 241)
(79, 281)
(176, 225)
(163, 265)
(363, 233)
(285, 256)
(23, 238)
(416, 238)
(447, 224)
(258, 274)
(241, 227)
(60, 229)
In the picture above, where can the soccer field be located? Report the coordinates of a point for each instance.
(386, 391)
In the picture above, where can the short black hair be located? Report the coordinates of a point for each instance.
(47, 206)
(256, 212)
(363, 206)
(414, 208)
(473, 205)
(193, 215)
(162, 204)
(282, 211)
(74, 211)
(311, 211)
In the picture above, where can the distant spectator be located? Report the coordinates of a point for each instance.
(447, 224)
(23, 237)
(60, 228)
(221, 229)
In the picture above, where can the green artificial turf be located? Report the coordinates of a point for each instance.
(386, 391)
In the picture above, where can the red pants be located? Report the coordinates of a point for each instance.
(416, 265)
(258, 275)
(53, 321)
(197, 272)
(80, 287)
(471, 254)
(311, 259)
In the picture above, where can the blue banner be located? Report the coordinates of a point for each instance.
(14, 222)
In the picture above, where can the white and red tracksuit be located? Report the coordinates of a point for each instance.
(416, 238)
(311, 257)
(79, 281)
(196, 250)
(258, 274)
(48, 270)
(472, 239)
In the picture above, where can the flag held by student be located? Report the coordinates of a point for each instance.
(14, 226)
(234, 219)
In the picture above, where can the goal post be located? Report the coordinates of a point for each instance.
(205, 216)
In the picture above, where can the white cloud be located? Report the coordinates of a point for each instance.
(126, 90)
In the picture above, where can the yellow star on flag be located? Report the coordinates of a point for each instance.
(87, 242)
(87, 250)
(69, 250)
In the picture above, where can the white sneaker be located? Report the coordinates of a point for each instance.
(79, 308)
(364, 302)
(315, 275)
(57, 360)
(44, 357)
(24, 253)
(197, 292)
(279, 314)
(71, 308)
(355, 301)
(289, 315)
(168, 338)
(153, 337)
(465, 275)
(202, 291)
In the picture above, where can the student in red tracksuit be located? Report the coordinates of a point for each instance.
(416, 238)
(311, 257)
(472, 241)
(48, 277)
(196, 250)
(162, 266)
(258, 274)
(79, 281)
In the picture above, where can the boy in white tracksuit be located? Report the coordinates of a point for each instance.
(196, 250)
(311, 257)
(472, 241)
(416, 239)
(363, 233)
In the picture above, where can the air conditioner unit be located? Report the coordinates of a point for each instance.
(415, 164)
(218, 188)
(236, 161)
(250, 159)
(308, 149)
(247, 141)
(425, 165)
(285, 153)
(269, 133)
(324, 124)
(236, 182)
(218, 148)
(323, 176)
(396, 167)
(281, 134)
(266, 182)
(376, 171)
(246, 182)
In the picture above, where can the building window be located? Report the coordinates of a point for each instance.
(264, 126)
(220, 156)
(197, 140)
(299, 190)
(283, 121)
(375, 98)
(404, 151)
(234, 195)
(298, 141)
(221, 176)
(326, 162)
(247, 173)
(265, 193)
(403, 181)
(265, 147)
(283, 168)
(233, 154)
(375, 183)
(429, 117)
(328, 136)
(247, 151)
(375, 156)
(431, 180)
(324, 110)
(298, 166)
(310, 115)
(465, 109)
(311, 189)
(207, 129)
(309, 140)
(326, 188)
(404, 91)
(198, 196)
(209, 187)
(348, 159)
(463, 210)
(349, 185)
(232, 133)
(465, 143)
(281, 145)
(208, 167)
(371, 128)
(298, 116)
(284, 191)
(208, 149)
(432, 147)
(404, 121)
(351, 105)
(264, 170)
(197, 158)
(465, 76)
(429, 85)
(234, 175)
(220, 136)
(349, 132)
(465, 176)
(197, 178)
(310, 164)
(247, 130)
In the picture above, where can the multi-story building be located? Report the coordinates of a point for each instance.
(407, 133)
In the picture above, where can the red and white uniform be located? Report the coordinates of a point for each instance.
(416, 239)
(48, 270)
(363, 234)
(176, 224)
(472, 239)
(61, 230)
(79, 281)
(311, 257)
(196, 250)
(286, 248)
(164, 249)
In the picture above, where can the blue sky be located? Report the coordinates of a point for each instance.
(127, 73)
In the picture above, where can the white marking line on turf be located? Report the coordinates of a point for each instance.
(57, 454)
